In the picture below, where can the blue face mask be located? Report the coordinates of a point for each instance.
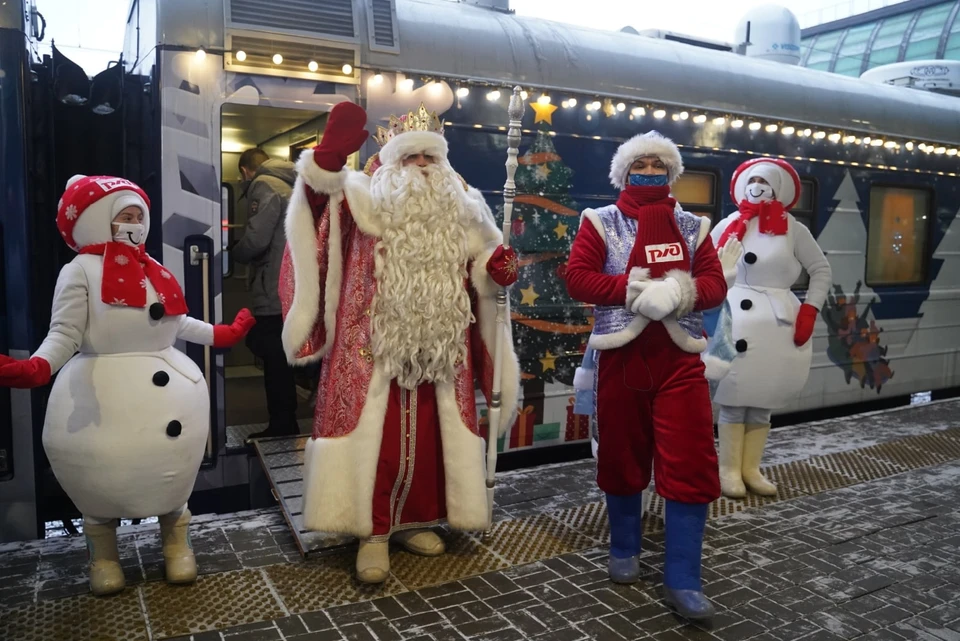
(645, 180)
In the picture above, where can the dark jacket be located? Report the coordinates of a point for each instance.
(264, 240)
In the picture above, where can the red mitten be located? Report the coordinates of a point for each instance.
(806, 319)
(230, 335)
(34, 372)
(343, 135)
(502, 266)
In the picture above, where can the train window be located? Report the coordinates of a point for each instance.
(805, 213)
(696, 191)
(925, 37)
(897, 235)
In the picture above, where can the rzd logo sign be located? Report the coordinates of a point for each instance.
(668, 252)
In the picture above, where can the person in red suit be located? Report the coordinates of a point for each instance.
(390, 276)
(649, 268)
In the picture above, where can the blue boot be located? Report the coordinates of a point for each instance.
(625, 525)
(682, 589)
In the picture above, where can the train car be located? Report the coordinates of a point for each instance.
(878, 164)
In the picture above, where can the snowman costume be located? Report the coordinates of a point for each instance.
(771, 329)
(128, 416)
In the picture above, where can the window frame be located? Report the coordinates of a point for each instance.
(927, 237)
(717, 196)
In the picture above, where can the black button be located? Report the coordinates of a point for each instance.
(750, 258)
(160, 379)
(741, 346)
(746, 304)
(174, 428)
(156, 311)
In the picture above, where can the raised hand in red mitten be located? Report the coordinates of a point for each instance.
(806, 319)
(343, 135)
(33, 372)
(230, 335)
(502, 266)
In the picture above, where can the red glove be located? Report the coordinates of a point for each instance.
(230, 335)
(34, 372)
(806, 319)
(502, 266)
(343, 135)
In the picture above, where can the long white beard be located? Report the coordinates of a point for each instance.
(421, 310)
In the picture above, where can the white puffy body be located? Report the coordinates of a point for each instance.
(128, 417)
(771, 370)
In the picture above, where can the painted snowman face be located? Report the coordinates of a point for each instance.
(127, 226)
(759, 190)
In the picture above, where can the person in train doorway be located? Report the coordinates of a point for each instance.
(771, 329)
(391, 277)
(650, 268)
(129, 415)
(269, 183)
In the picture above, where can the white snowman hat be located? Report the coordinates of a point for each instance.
(778, 173)
(651, 143)
(89, 205)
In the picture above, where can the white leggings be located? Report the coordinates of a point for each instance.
(744, 415)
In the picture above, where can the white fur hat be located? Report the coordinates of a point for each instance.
(648, 144)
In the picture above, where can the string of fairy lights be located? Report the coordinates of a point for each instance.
(634, 110)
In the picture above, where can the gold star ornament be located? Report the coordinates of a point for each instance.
(549, 361)
(560, 230)
(530, 296)
(544, 112)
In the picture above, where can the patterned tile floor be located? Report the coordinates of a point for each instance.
(871, 560)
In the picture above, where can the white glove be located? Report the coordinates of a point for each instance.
(729, 255)
(658, 300)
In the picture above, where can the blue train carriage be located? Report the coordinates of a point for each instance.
(878, 165)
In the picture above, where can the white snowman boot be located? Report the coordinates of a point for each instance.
(178, 558)
(731, 438)
(373, 561)
(754, 440)
(106, 575)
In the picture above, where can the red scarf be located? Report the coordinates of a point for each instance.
(773, 220)
(126, 271)
(653, 208)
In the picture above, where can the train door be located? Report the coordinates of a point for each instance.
(280, 133)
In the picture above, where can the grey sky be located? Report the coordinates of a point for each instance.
(90, 32)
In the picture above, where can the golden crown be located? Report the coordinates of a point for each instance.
(419, 120)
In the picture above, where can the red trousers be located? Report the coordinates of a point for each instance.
(410, 487)
(653, 403)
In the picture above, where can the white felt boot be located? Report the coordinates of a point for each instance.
(422, 542)
(178, 559)
(106, 575)
(754, 440)
(373, 561)
(731, 437)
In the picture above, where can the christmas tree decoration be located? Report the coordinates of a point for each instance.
(544, 112)
(548, 361)
(560, 230)
(530, 296)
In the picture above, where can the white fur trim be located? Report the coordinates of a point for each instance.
(682, 339)
(464, 464)
(619, 339)
(413, 142)
(340, 473)
(487, 314)
(648, 144)
(302, 241)
(704, 230)
(320, 180)
(583, 379)
(715, 368)
(594, 217)
(356, 188)
(688, 291)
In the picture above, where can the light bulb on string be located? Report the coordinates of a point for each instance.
(277, 59)
(347, 69)
(241, 55)
(755, 126)
(621, 106)
(377, 79)
(736, 124)
(494, 95)
(544, 99)
(523, 95)
(313, 66)
(659, 113)
(834, 137)
(675, 117)
(820, 135)
(595, 105)
(890, 144)
(638, 111)
(788, 131)
(909, 146)
(719, 121)
(684, 115)
(876, 142)
(463, 92)
(572, 102)
(201, 54)
(772, 128)
(951, 152)
(699, 119)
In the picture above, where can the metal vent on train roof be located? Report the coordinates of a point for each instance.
(318, 17)
(278, 56)
(382, 25)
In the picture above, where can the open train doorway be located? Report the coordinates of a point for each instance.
(281, 134)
